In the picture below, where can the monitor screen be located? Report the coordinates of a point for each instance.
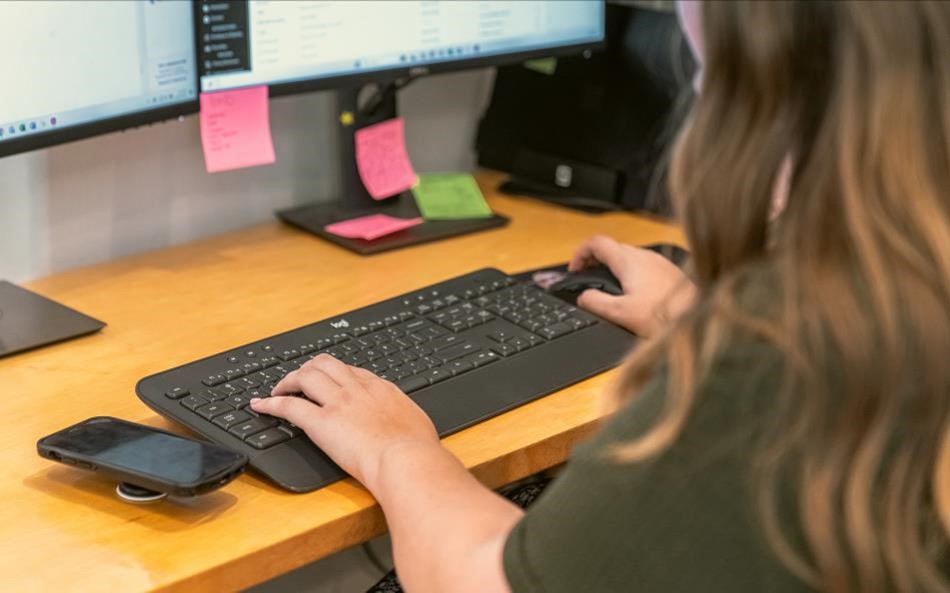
(282, 42)
(72, 69)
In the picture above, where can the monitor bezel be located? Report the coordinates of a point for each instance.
(411, 71)
(107, 125)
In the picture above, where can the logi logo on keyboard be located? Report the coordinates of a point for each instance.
(339, 324)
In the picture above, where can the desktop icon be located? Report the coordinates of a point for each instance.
(22, 127)
(52, 121)
(32, 125)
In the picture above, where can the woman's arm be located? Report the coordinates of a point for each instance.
(448, 530)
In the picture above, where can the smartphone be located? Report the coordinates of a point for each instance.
(144, 456)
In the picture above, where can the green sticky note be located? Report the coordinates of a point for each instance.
(544, 65)
(450, 196)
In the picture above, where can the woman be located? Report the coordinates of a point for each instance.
(779, 429)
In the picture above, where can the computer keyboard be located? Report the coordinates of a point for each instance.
(465, 350)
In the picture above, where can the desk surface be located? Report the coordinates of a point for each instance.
(65, 528)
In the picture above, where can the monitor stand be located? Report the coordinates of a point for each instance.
(558, 196)
(355, 200)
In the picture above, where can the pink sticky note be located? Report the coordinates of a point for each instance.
(382, 160)
(235, 129)
(371, 227)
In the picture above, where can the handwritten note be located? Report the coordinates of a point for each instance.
(450, 196)
(382, 160)
(235, 129)
(371, 227)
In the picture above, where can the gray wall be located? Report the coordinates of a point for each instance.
(106, 197)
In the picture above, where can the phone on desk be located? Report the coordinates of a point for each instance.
(143, 456)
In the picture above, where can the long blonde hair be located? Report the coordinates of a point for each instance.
(857, 94)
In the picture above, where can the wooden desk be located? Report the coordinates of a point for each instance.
(63, 528)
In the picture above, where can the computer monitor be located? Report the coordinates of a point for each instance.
(76, 69)
(297, 46)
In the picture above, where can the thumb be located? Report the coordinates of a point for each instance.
(600, 303)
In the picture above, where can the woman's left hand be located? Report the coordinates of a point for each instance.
(350, 413)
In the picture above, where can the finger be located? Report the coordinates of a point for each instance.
(298, 411)
(316, 385)
(337, 371)
(600, 303)
(601, 249)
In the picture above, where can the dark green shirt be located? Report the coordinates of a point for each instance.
(683, 521)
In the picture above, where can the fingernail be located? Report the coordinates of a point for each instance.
(254, 400)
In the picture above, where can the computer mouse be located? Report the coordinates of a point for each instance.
(574, 284)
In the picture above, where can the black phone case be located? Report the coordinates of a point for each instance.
(90, 463)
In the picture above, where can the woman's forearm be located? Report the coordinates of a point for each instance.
(448, 530)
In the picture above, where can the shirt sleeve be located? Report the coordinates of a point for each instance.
(678, 522)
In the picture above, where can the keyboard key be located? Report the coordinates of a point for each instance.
(292, 430)
(307, 348)
(251, 426)
(193, 402)
(413, 383)
(177, 393)
(267, 438)
(211, 394)
(436, 374)
(456, 352)
(555, 330)
(231, 389)
(234, 373)
(269, 361)
(520, 343)
(457, 367)
(502, 335)
(504, 349)
(209, 411)
(445, 342)
(229, 419)
(238, 401)
(214, 380)
(482, 358)
(288, 354)
(247, 383)
(400, 372)
(355, 359)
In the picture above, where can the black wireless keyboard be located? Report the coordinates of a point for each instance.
(465, 350)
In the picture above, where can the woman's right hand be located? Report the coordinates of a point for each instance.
(655, 291)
